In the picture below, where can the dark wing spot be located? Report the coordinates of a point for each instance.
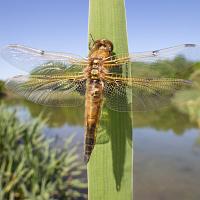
(42, 52)
(155, 53)
(190, 45)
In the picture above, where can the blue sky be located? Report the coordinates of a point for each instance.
(62, 25)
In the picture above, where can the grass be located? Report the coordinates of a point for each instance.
(110, 167)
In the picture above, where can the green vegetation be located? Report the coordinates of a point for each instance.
(30, 169)
(2, 89)
(110, 166)
(179, 67)
(188, 101)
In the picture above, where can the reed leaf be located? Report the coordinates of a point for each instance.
(110, 166)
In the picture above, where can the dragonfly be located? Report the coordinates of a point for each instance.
(123, 82)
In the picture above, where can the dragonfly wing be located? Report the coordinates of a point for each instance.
(191, 52)
(51, 85)
(116, 96)
(27, 58)
(147, 94)
(51, 91)
(153, 77)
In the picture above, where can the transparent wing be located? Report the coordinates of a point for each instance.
(147, 94)
(191, 52)
(151, 78)
(53, 87)
(27, 58)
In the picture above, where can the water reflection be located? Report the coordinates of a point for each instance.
(164, 119)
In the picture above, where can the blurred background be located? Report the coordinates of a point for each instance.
(166, 141)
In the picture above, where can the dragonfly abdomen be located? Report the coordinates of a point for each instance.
(92, 113)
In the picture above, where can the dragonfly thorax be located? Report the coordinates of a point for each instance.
(95, 73)
(95, 67)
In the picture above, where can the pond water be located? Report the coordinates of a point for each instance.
(166, 148)
(166, 165)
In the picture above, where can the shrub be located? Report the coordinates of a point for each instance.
(1, 87)
(30, 169)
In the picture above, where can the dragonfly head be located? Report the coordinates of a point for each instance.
(102, 44)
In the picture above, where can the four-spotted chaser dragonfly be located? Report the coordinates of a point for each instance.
(62, 79)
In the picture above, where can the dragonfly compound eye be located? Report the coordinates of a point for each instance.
(108, 44)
